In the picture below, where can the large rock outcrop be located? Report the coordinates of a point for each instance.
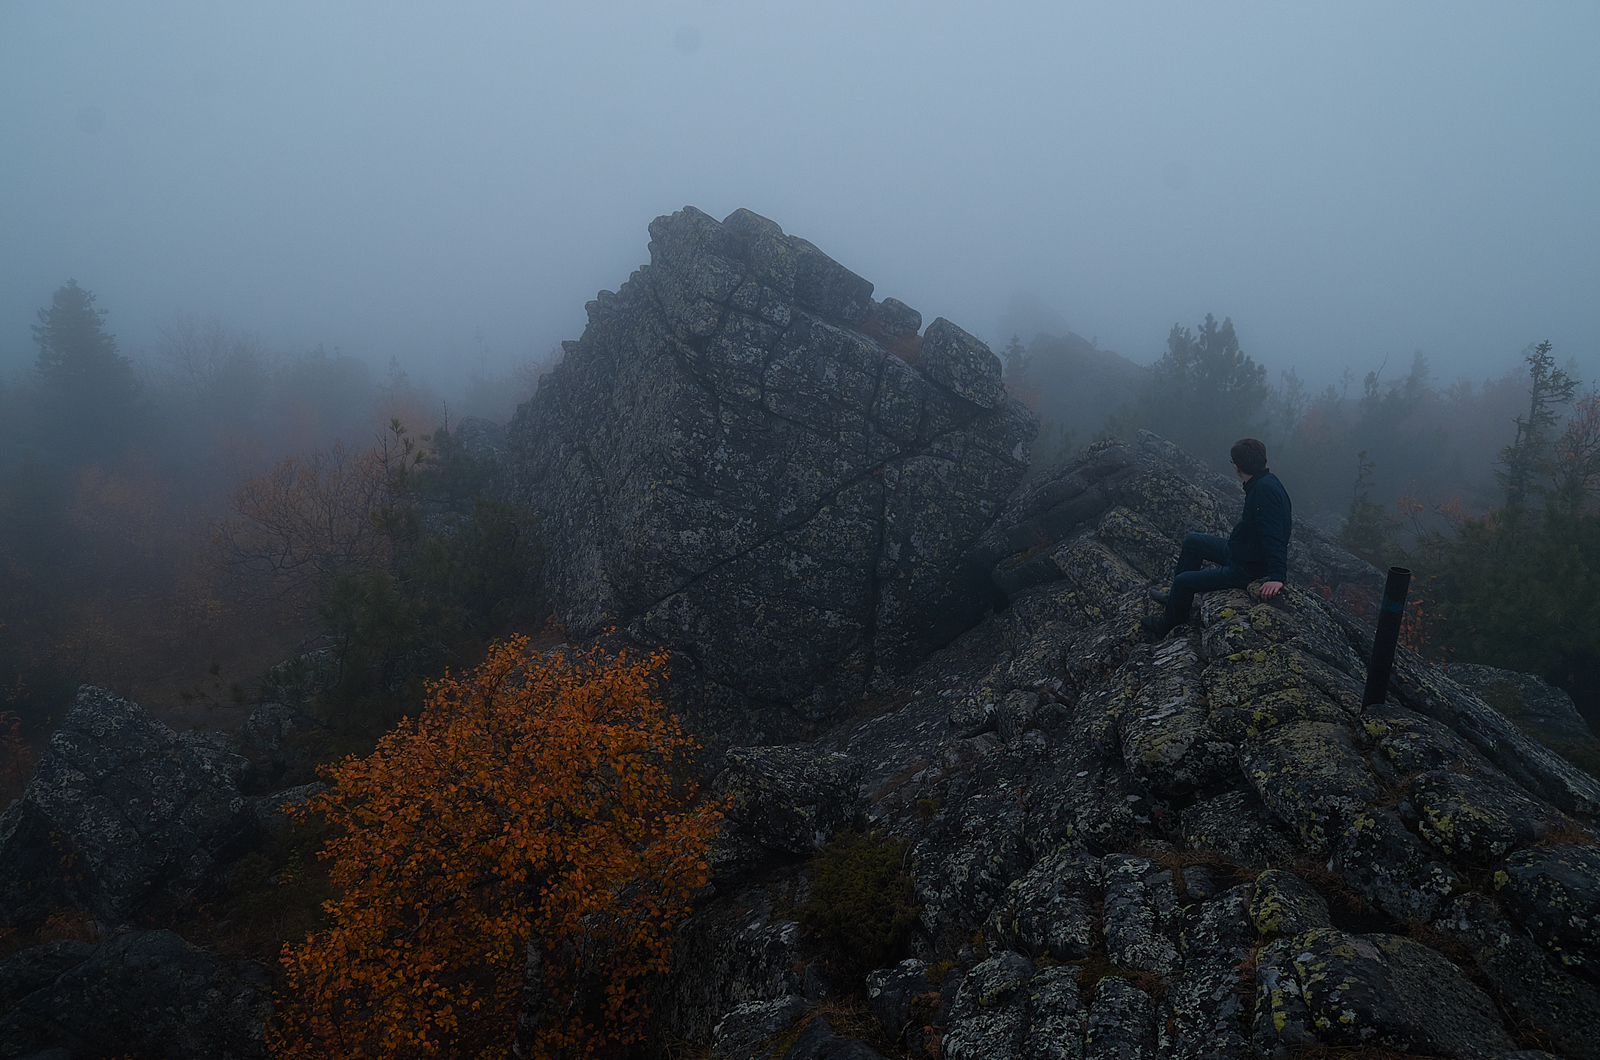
(1202, 847)
(748, 458)
(120, 810)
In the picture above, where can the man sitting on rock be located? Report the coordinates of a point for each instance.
(1257, 548)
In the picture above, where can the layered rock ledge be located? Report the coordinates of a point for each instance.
(1202, 847)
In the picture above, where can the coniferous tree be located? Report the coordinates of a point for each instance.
(89, 393)
(1528, 459)
(1205, 392)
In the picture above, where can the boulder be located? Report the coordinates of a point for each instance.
(1057, 1015)
(1141, 916)
(730, 461)
(1139, 496)
(1049, 910)
(1168, 740)
(745, 1026)
(782, 800)
(1053, 772)
(818, 1042)
(145, 993)
(37, 967)
(1206, 1003)
(1284, 904)
(1554, 893)
(1309, 774)
(1479, 817)
(119, 808)
(1391, 868)
(989, 1020)
(268, 739)
(1121, 1023)
(895, 994)
(1238, 827)
(1534, 704)
(1332, 988)
(1536, 989)
(737, 950)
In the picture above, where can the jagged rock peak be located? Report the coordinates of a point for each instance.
(748, 458)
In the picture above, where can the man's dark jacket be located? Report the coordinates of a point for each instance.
(1261, 540)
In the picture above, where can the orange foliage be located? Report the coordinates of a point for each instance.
(907, 347)
(1452, 512)
(529, 818)
(1419, 624)
(1578, 448)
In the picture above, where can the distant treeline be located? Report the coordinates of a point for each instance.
(130, 490)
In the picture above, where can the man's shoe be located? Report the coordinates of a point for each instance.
(1160, 596)
(1155, 625)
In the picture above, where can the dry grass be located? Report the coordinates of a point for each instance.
(847, 1016)
(1096, 967)
(1224, 873)
(1454, 950)
(1346, 907)
(1354, 1052)
(1566, 832)
(1394, 792)
(58, 926)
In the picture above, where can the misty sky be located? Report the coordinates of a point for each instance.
(1348, 183)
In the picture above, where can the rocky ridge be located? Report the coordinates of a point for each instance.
(1196, 848)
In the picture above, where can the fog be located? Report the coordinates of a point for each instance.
(324, 235)
(445, 183)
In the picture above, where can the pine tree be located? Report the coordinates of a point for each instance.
(1528, 459)
(1205, 392)
(89, 392)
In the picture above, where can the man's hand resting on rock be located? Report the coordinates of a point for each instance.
(1270, 589)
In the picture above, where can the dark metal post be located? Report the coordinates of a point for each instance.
(1382, 661)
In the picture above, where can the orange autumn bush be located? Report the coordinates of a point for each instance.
(526, 826)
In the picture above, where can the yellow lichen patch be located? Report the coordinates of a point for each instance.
(1242, 676)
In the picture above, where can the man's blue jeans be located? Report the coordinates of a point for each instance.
(1190, 579)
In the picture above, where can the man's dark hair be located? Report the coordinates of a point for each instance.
(1249, 455)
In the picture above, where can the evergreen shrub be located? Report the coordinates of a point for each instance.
(860, 904)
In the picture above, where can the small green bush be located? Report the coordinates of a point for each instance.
(860, 904)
